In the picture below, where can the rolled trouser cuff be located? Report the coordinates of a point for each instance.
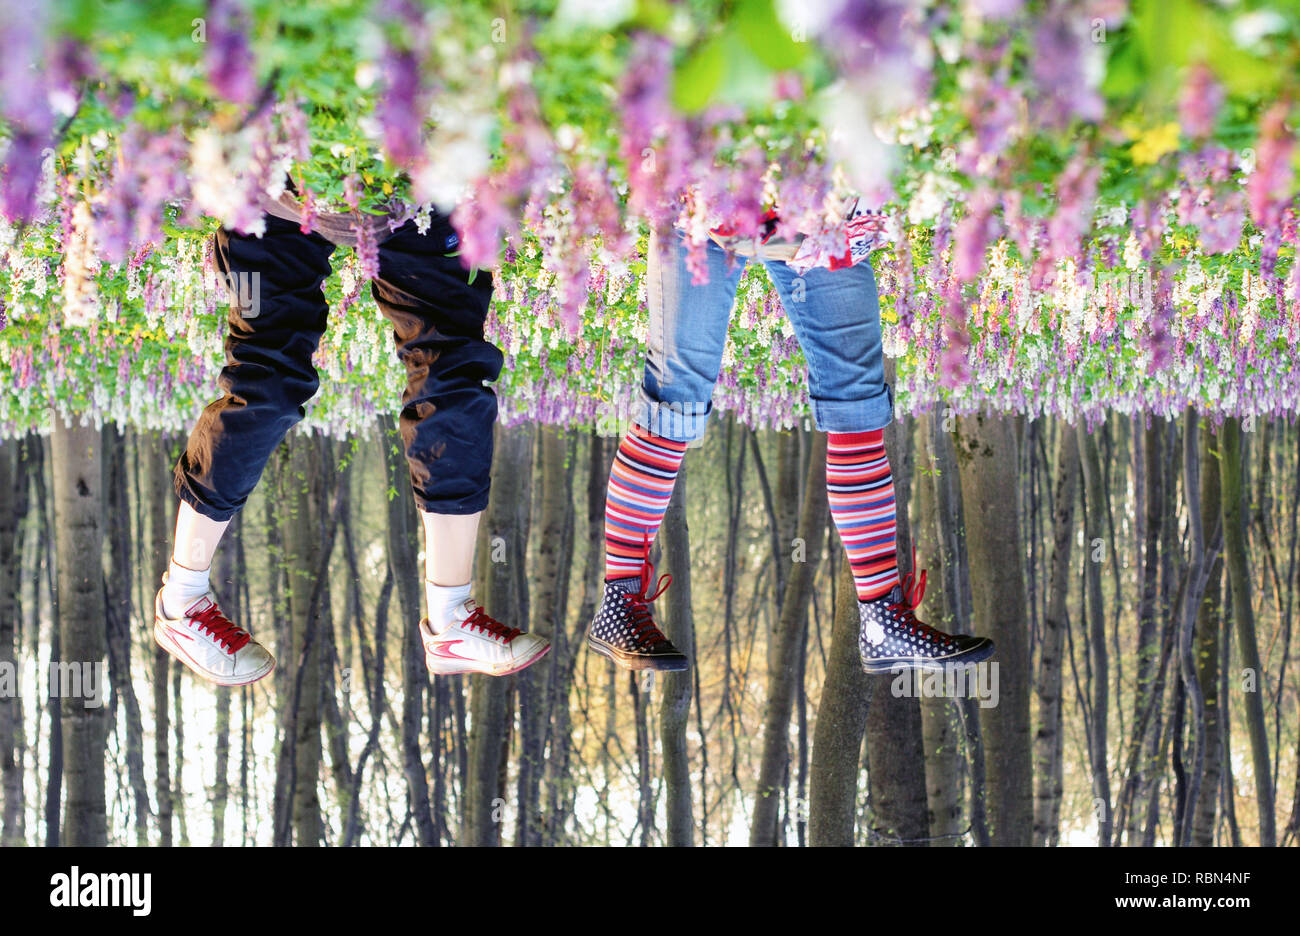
(671, 419)
(183, 485)
(459, 507)
(876, 412)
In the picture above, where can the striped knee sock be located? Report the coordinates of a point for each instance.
(861, 493)
(640, 484)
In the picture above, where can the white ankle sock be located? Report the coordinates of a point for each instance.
(442, 600)
(183, 588)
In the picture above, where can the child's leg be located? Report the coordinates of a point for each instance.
(438, 310)
(686, 339)
(688, 332)
(193, 546)
(837, 320)
(449, 547)
(861, 493)
(640, 484)
(836, 317)
(277, 317)
(449, 541)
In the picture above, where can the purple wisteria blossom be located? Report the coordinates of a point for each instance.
(1210, 200)
(974, 233)
(1269, 185)
(228, 56)
(150, 172)
(21, 176)
(24, 105)
(1076, 189)
(1202, 96)
(1064, 93)
(400, 110)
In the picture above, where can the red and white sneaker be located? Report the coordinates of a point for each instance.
(473, 642)
(210, 644)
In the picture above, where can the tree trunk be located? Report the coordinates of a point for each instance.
(304, 489)
(227, 580)
(1151, 488)
(117, 596)
(1238, 563)
(675, 709)
(334, 717)
(377, 701)
(13, 510)
(1048, 759)
(1094, 516)
(76, 453)
(535, 685)
(503, 546)
(987, 463)
(1207, 651)
(957, 596)
(558, 782)
(161, 512)
(841, 720)
(940, 716)
(54, 776)
(403, 549)
(178, 740)
(895, 752)
(784, 659)
(782, 507)
(1198, 573)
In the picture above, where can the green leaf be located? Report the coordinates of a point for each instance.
(1173, 33)
(768, 38)
(653, 14)
(698, 77)
(1124, 72)
(1240, 71)
(746, 82)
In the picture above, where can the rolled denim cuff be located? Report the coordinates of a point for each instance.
(680, 422)
(876, 412)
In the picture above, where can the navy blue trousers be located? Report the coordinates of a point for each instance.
(437, 314)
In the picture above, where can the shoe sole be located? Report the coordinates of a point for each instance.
(506, 669)
(161, 639)
(636, 661)
(930, 664)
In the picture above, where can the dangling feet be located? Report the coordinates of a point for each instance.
(209, 643)
(469, 641)
(892, 638)
(624, 629)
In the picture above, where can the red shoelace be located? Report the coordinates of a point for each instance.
(223, 630)
(644, 631)
(913, 591)
(490, 625)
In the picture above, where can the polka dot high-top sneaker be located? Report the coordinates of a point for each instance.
(624, 629)
(891, 637)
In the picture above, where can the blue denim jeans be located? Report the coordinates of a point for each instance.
(836, 317)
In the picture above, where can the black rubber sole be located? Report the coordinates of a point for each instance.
(675, 663)
(976, 654)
